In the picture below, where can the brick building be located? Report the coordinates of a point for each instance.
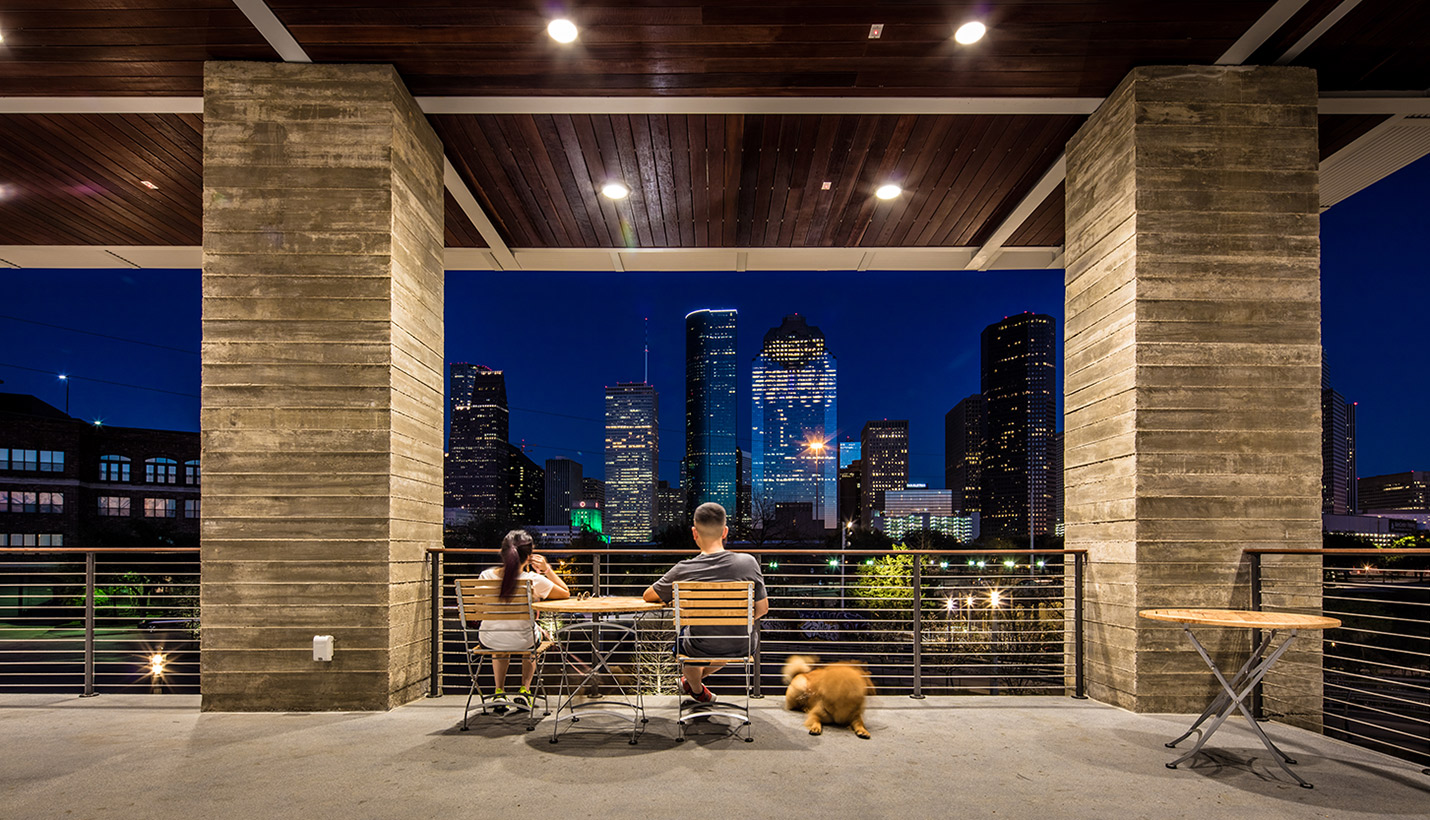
(66, 482)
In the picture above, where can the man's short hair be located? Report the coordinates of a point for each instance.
(710, 519)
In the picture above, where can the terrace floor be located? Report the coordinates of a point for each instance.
(1009, 757)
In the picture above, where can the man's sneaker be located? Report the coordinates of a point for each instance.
(705, 696)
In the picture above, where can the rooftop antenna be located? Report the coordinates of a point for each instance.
(646, 380)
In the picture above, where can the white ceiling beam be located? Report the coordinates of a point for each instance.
(1380, 102)
(1315, 33)
(1026, 106)
(1051, 179)
(273, 30)
(1375, 155)
(473, 209)
(1261, 31)
(575, 259)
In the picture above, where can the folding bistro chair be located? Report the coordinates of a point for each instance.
(480, 600)
(715, 603)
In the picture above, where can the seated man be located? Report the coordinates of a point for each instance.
(714, 563)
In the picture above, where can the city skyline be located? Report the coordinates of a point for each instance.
(922, 326)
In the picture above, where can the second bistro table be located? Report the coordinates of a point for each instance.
(1236, 690)
(603, 638)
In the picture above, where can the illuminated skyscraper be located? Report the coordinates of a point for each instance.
(1338, 448)
(884, 449)
(795, 419)
(526, 487)
(963, 434)
(710, 382)
(476, 478)
(563, 489)
(1019, 376)
(632, 459)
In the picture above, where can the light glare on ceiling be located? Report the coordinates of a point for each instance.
(970, 33)
(562, 30)
(615, 190)
(888, 191)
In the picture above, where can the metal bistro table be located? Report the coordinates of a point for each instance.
(602, 639)
(1236, 690)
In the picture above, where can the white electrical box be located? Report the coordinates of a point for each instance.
(322, 647)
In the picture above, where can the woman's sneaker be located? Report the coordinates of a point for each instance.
(522, 699)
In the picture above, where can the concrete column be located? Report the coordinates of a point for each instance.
(322, 386)
(1193, 368)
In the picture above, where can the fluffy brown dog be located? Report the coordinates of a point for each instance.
(828, 694)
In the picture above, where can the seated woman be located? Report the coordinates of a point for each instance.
(519, 564)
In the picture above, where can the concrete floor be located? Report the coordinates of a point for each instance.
(1007, 757)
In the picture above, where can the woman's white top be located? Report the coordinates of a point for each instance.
(514, 636)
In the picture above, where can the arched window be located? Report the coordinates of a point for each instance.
(113, 468)
(191, 472)
(161, 471)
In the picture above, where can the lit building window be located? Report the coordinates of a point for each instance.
(113, 468)
(19, 502)
(52, 502)
(52, 461)
(113, 505)
(160, 507)
(161, 471)
(191, 472)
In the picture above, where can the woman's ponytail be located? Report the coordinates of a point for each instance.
(515, 550)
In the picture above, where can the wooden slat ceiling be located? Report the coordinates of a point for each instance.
(751, 181)
(78, 179)
(699, 181)
(1034, 48)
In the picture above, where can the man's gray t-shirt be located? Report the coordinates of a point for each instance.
(714, 566)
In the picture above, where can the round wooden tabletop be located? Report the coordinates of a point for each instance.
(1246, 618)
(608, 605)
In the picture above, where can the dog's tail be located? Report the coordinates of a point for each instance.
(798, 665)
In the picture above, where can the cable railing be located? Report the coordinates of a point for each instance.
(86, 621)
(1376, 667)
(923, 622)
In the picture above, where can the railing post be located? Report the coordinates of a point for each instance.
(1255, 579)
(434, 686)
(88, 626)
(1079, 691)
(596, 575)
(918, 627)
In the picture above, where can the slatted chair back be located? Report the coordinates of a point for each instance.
(714, 603)
(479, 599)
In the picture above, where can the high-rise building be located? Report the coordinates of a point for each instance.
(1338, 480)
(632, 461)
(1019, 375)
(964, 428)
(1396, 491)
(1056, 482)
(884, 448)
(593, 489)
(669, 507)
(743, 513)
(849, 452)
(563, 489)
(794, 419)
(917, 508)
(526, 487)
(711, 377)
(851, 481)
(476, 478)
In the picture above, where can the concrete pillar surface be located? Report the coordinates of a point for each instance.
(1192, 392)
(322, 386)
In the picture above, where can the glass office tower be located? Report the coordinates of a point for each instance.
(711, 469)
(632, 459)
(1019, 376)
(794, 422)
(476, 468)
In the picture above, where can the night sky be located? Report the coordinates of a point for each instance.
(906, 343)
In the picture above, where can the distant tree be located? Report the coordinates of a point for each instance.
(674, 537)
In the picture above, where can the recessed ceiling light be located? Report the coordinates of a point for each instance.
(562, 30)
(826, 186)
(615, 190)
(888, 191)
(147, 184)
(970, 33)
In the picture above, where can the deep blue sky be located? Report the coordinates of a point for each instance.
(906, 343)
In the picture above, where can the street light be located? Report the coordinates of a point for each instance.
(66, 380)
